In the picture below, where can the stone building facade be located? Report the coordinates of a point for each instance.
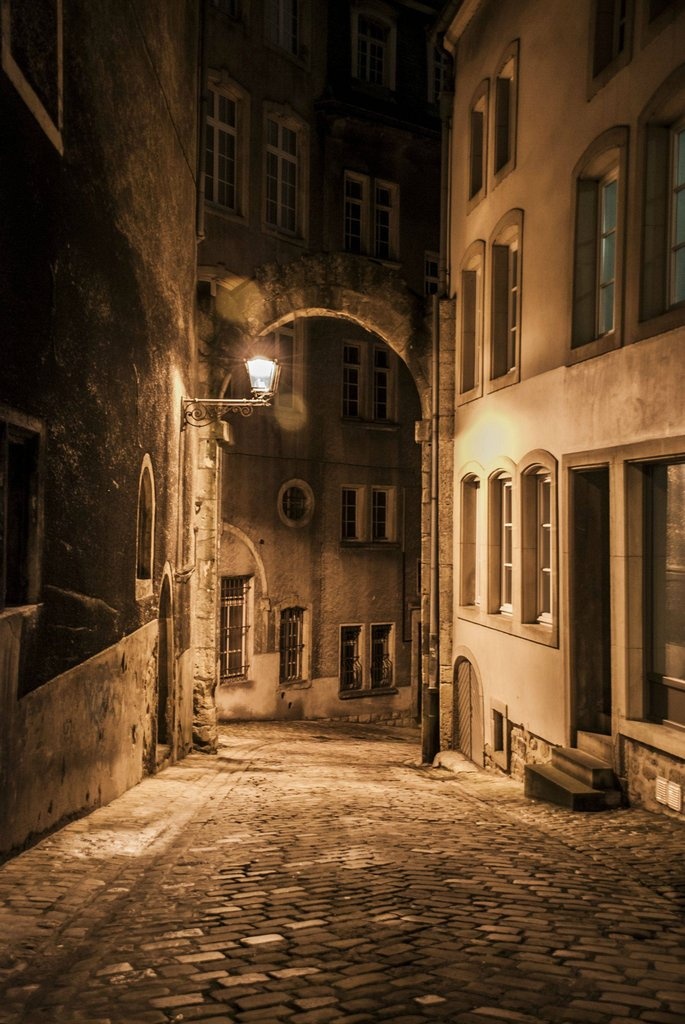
(320, 247)
(566, 255)
(97, 274)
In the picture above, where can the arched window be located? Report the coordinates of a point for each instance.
(145, 530)
(505, 300)
(538, 539)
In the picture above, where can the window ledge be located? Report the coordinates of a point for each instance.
(663, 738)
(226, 213)
(372, 545)
(295, 684)
(594, 347)
(512, 376)
(670, 320)
(386, 691)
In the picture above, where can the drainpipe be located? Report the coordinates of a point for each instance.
(430, 719)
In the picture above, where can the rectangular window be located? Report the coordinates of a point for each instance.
(596, 259)
(18, 515)
(477, 150)
(356, 201)
(291, 645)
(506, 545)
(439, 73)
(470, 568)
(544, 548)
(380, 514)
(665, 625)
(372, 42)
(233, 628)
(370, 208)
(503, 101)
(677, 275)
(381, 674)
(282, 21)
(350, 514)
(381, 384)
(282, 167)
(470, 319)
(351, 380)
(221, 150)
(351, 673)
(430, 273)
(505, 308)
(610, 34)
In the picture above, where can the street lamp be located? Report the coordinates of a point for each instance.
(264, 375)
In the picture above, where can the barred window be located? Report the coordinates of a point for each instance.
(233, 627)
(381, 662)
(291, 644)
(350, 661)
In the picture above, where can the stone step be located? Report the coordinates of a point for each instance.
(591, 770)
(595, 743)
(545, 782)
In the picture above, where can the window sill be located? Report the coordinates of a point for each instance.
(664, 738)
(512, 376)
(295, 684)
(594, 347)
(464, 397)
(226, 213)
(669, 320)
(539, 633)
(372, 545)
(387, 691)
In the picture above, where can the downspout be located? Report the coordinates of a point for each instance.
(430, 731)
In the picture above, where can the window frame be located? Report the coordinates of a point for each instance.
(431, 272)
(355, 671)
(360, 515)
(296, 523)
(603, 67)
(661, 117)
(370, 210)
(477, 150)
(145, 530)
(470, 325)
(384, 17)
(508, 71)
(381, 636)
(278, 11)
(219, 85)
(604, 161)
(21, 430)
(295, 645)
(246, 583)
(285, 120)
(471, 506)
(501, 493)
(538, 470)
(505, 301)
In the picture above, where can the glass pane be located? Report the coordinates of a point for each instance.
(608, 259)
(679, 230)
(606, 309)
(609, 193)
(289, 141)
(272, 133)
(680, 158)
(679, 276)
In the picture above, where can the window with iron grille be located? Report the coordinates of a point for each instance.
(291, 644)
(351, 673)
(233, 628)
(381, 661)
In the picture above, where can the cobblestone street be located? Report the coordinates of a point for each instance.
(315, 873)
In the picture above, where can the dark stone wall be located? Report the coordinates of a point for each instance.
(96, 309)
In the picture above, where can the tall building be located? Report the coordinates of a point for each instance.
(567, 267)
(321, 238)
(97, 279)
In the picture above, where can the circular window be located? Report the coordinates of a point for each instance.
(295, 503)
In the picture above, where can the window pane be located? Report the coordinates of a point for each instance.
(679, 277)
(609, 195)
(350, 663)
(349, 514)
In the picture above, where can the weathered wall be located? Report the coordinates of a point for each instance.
(79, 742)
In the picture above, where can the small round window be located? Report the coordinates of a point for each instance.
(295, 503)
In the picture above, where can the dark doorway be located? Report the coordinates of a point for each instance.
(590, 601)
(468, 712)
(165, 661)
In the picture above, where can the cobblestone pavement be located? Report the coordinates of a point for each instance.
(314, 873)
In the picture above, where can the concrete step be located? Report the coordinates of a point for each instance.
(595, 743)
(545, 782)
(591, 770)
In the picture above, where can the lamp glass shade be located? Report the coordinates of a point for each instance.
(262, 373)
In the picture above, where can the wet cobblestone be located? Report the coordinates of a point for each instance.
(315, 873)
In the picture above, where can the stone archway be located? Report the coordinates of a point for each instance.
(341, 286)
(338, 285)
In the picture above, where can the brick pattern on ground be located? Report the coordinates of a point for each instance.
(315, 873)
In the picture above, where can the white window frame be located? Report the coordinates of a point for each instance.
(470, 324)
(218, 87)
(285, 120)
(246, 605)
(545, 548)
(476, 153)
(470, 536)
(505, 114)
(365, 529)
(370, 211)
(381, 15)
(506, 545)
(505, 301)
